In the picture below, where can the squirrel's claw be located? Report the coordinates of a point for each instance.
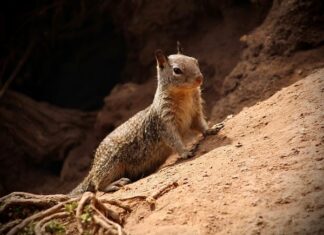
(214, 129)
(191, 152)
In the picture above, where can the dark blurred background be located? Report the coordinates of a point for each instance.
(77, 51)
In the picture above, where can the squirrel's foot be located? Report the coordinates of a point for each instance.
(115, 186)
(191, 152)
(214, 129)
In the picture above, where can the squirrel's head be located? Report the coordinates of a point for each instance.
(178, 70)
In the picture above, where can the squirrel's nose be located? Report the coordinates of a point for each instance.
(199, 79)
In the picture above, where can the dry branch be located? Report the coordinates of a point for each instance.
(20, 64)
(107, 211)
(31, 195)
(117, 203)
(150, 199)
(99, 221)
(108, 223)
(30, 201)
(164, 190)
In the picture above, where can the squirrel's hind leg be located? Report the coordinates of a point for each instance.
(114, 186)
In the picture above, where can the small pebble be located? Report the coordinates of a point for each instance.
(238, 145)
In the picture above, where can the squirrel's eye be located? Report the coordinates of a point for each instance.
(177, 71)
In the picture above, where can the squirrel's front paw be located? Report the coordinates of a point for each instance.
(214, 129)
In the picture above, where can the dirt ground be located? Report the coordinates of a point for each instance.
(263, 173)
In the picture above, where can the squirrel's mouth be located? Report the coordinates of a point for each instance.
(199, 80)
(195, 83)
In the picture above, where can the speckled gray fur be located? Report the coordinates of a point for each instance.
(143, 143)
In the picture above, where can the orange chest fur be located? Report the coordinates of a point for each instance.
(184, 109)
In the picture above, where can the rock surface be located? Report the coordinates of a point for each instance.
(263, 173)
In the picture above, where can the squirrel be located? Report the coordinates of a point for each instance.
(143, 143)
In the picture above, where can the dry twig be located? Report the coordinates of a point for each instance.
(117, 203)
(20, 64)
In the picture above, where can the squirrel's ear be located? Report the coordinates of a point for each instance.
(161, 59)
(179, 48)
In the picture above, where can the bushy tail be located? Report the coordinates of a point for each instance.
(84, 186)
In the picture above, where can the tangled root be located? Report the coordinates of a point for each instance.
(38, 214)
(90, 213)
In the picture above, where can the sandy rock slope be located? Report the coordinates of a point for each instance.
(263, 173)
